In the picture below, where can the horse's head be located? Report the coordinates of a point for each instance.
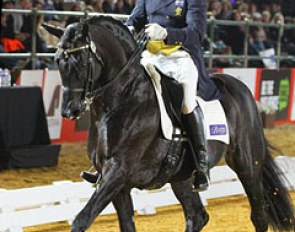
(79, 65)
(88, 49)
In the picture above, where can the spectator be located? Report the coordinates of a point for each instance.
(108, 6)
(265, 17)
(122, 7)
(73, 19)
(131, 5)
(236, 42)
(226, 8)
(275, 7)
(259, 44)
(243, 8)
(253, 8)
(58, 5)
(257, 17)
(97, 5)
(9, 41)
(273, 32)
(215, 8)
(48, 5)
(27, 30)
(93, 6)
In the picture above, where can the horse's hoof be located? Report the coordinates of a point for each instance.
(77, 230)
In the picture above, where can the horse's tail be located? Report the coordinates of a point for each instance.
(279, 205)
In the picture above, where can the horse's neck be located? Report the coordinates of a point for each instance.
(114, 51)
(132, 90)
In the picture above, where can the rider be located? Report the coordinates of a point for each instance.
(176, 29)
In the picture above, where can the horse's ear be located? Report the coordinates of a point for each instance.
(56, 31)
(85, 29)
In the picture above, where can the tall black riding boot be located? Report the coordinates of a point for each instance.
(193, 124)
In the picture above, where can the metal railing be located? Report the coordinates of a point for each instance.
(212, 22)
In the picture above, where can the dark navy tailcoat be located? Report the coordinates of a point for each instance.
(186, 23)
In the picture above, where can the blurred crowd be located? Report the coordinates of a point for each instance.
(17, 29)
(262, 41)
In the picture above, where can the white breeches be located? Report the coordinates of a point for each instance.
(180, 66)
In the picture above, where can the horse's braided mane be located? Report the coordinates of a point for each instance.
(118, 29)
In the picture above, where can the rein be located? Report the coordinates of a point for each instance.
(141, 40)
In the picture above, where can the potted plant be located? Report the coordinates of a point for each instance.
(268, 114)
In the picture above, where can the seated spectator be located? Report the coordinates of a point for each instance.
(131, 5)
(226, 8)
(108, 6)
(122, 7)
(93, 6)
(215, 8)
(236, 42)
(258, 44)
(73, 19)
(265, 17)
(9, 41)
(276, 7)
(273, 32)
(48, 5)
(27, 30)
(253, 8)
(257, 17)
(58, 5)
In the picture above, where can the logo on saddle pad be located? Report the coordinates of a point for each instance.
(217, 129)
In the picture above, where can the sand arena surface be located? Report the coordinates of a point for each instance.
(229, 214)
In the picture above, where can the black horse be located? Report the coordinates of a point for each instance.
(99, 65)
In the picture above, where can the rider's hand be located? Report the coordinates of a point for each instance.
(131, 29)
(156, 32)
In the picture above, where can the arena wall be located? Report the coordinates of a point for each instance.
(272, 87)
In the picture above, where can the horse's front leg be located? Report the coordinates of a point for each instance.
(112, 183)
(124, 207)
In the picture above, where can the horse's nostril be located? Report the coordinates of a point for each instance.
(65, 113)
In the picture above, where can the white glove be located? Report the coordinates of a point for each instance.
(156, 32)
(131, 29)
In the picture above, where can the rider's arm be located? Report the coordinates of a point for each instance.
(138, 16)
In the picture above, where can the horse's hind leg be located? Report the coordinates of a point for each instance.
(195, 214)
(247, 163)
(112, 184)
(124, 207)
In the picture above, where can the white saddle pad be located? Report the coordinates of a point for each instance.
(215, 124)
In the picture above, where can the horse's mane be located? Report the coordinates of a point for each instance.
(116, 27)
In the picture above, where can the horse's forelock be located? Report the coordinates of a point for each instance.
(69, 34)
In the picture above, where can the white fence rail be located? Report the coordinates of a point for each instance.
(63, 200)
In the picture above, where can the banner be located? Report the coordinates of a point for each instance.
(52, 96)
(275, 91)
(246, 75)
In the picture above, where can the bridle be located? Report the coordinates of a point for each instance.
(91, 50)
(89, 93)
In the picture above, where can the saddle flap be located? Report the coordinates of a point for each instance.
(172, 93)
